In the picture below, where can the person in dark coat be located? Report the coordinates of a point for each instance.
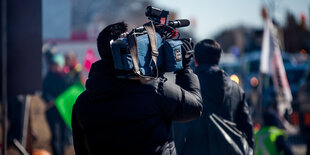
(53, 85)
(220, 95)
(121, 116)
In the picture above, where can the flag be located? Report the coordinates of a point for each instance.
(65, 101)
(89, 59)
(272, 64)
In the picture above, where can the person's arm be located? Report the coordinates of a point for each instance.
(182, 100)
(77, 134)
(191, 107)
(46, 95)
(244, 120)
(282, 145)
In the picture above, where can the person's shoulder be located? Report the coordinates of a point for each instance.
(47, 77)
(237, 87)
(82, 98)
(82, 103)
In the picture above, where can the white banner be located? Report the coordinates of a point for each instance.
(272, 64)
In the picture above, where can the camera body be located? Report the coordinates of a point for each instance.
(156, 15)
(149, 50)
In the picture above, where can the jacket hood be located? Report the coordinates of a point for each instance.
(101, 82)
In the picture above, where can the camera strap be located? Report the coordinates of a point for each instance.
(132, 42)
(149, 27)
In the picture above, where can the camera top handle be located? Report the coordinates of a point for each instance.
(167, 30)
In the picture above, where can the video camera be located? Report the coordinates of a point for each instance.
(167, 30)
(147, 50)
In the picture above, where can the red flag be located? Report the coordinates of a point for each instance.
(89, 59)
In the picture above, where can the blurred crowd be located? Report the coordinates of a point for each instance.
(63, 72)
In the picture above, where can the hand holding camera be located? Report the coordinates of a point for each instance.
(187, 52)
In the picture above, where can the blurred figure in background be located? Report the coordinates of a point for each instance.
(48, 50)
(53, 85)
(220, 95)
(271, 139)
(73, 75)
(304, 109)
(72, 69)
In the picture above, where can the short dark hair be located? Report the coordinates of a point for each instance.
(208, 51)
(103, 46)
(106, 35)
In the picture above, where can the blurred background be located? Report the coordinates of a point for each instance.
(70, 28)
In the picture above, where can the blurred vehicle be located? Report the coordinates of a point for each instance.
(250, 67)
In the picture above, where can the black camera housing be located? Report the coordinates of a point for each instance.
(166, 29)
(158, 16)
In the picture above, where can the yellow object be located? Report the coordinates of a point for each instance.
(235, 78)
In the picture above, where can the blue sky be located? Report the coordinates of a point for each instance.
(212, 16)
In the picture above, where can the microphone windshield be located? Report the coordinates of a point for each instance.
(179, 23)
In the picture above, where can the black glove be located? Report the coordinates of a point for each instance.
(106, 35)
(187, 52)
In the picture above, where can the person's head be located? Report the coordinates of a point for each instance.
(271, 119)
(71, 59)
(48, 56)
(208, 52)
(109, 33)
(57, 63)
(49, 50)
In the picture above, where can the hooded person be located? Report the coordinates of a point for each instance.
(122, 116)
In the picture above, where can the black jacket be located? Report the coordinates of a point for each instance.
(115, 116)
(221, 96)
(53, 85)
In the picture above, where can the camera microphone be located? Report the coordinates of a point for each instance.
(179, 23)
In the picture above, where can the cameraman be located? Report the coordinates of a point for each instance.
(120, 116)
